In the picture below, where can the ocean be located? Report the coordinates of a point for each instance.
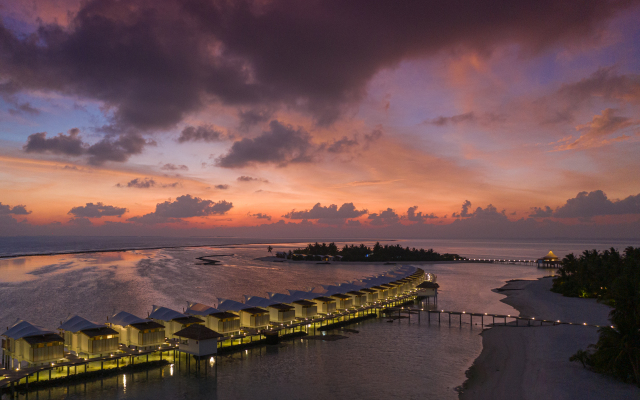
(411, 360)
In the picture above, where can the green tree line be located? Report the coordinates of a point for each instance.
(376, 253)
(614, 279)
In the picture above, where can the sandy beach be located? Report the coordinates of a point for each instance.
(533, 362)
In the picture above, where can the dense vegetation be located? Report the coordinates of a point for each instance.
(612, 278)
(377, 253)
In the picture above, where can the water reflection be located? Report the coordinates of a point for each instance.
(409, 360)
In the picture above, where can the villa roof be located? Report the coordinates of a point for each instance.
(255, 310)
(341, 296)
(201, 309)
(46, 338)
(147, 325)
(367, 290)
(305, 303)
(324, 299)
(165, 314)
(100, 331)
(77, 323)
(124, 318)
(357, 293)
(283, 307)
(198, 332)
(21, 329)
(190, 319)
(428, 285)
(224, 315)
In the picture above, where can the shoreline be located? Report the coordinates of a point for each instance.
(533, 362)
(284, 260)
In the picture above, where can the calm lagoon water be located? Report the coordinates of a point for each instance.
(400, 360)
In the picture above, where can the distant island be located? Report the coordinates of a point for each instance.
(388, 253)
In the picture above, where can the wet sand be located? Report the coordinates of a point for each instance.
(533, 362)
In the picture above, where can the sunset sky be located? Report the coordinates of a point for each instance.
(320, 118)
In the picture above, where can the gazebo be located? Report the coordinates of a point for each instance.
(549, 261)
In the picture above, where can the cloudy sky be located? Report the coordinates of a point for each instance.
(320, 118)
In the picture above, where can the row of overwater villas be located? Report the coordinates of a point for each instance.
(199, 328)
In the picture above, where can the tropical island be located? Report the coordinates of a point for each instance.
(362, 252)
(595, 298)
(613, 279)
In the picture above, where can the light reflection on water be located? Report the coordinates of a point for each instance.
(400, 360)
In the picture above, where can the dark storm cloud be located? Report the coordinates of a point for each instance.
(343, 145)
(139, 183)
(541, 212)
(489, 213)
(249, 118)
(484, 119)
(70, 145)
(280, 145)
(6, 209)
(111, 148)
(203, 133)
(97, 210)
(154, 62)
(605, 83)
(80, 221)
(260, 216)
(347, 210)
(465, 210)
(386, 217)
(173, 167)
(184, 207)
(414, 216)
(245, 178)
(116, 149)
(591, 204)
(24, 108)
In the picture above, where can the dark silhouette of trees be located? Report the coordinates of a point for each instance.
(377, 253)
(614, 279)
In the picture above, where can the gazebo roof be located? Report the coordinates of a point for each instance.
(550, 256)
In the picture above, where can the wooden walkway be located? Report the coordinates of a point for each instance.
(515, 320)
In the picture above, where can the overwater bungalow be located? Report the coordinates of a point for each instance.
(281, 313)
(173, 321)
(358, 298)
(224, 322)
(305, 308)
(381, 291)
(427, 289)
(391, 289)
(372, 295)
(136, 332)
(254, 317)
(28, 345)
(326, 305)
(343, 301)
(88, 339)
(198, 340)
